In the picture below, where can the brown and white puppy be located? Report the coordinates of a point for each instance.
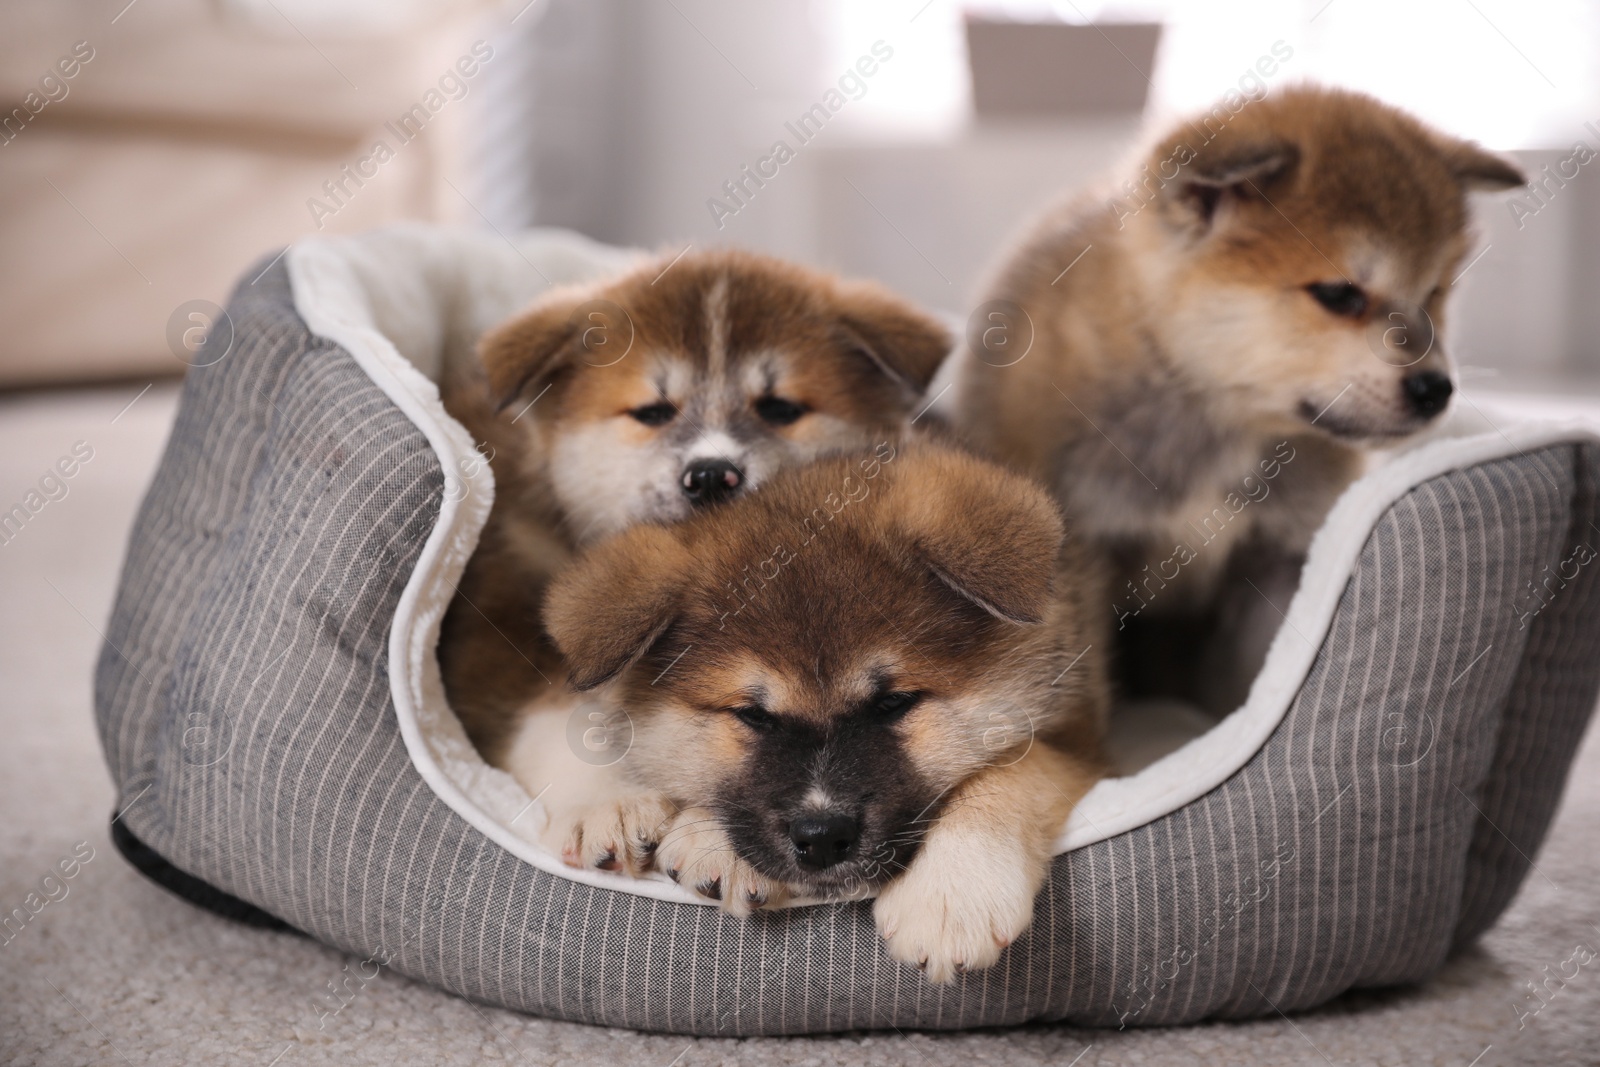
(877, 671)
(1197, 361)
(644, 398)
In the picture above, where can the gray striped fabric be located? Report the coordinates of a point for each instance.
(242, 698)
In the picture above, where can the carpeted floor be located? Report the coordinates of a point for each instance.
(117, 971)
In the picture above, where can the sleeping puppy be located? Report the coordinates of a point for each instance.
(647, 398)
(1253, 311)
(877, 671)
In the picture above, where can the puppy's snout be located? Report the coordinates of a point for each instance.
(1427, 392)
(824, 839)
(710, 481)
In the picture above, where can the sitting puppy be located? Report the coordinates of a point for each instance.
(644, 398)
(879, 670)
(1195, 365)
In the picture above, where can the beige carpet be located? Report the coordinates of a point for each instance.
(119, 972)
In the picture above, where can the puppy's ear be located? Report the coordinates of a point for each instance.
(990, 535)
(528, 349)
(1239, 171)
(607, 609)
(905, 344)
(1479, 170)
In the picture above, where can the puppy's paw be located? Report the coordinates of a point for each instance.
(621, 834)
(949, 914)
(696, 853)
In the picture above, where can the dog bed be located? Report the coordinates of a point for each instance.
(271, 711)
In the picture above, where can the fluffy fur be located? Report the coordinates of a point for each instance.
(638, 399)
(880, 670)
(1264, 295)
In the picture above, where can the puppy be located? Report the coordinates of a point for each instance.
(1196, 364)
(877, 671)
(645, 398)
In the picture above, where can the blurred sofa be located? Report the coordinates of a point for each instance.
(150, 153)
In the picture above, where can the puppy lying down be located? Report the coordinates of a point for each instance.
(878, 672)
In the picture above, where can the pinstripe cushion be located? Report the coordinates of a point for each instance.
(243, 701)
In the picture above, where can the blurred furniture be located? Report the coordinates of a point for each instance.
(931, 217)
(1057, 68)
(191, 143)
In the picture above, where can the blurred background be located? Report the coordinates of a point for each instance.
(152, 150)
(154, 153)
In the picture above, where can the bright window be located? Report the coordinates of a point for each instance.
(1504, 72)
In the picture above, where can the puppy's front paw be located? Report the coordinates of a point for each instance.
(696, 853)
(621, 834)
(949, 914)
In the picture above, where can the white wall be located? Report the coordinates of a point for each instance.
(642, 111)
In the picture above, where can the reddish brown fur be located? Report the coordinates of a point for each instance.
(845, 333)
(942, 565)
(858, 357)
(1352, 168)
(921, 571)
(1183, 345)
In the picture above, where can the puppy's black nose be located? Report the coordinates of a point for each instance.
(1427, 392)
(821, 840)
(711, 480)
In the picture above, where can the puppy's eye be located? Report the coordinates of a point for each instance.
(1341, 298)
(754, 716)
(892, 706)
(777, 411)
(658, 414)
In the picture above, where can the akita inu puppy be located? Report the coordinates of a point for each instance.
(646, 398)
(880, 670)
(1195, 363)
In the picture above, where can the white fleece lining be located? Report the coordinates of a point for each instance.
(342, 287)
(363, 293)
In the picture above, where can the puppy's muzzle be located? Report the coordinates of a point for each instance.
(1427, 392)
(824, 839)
(711, 481)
